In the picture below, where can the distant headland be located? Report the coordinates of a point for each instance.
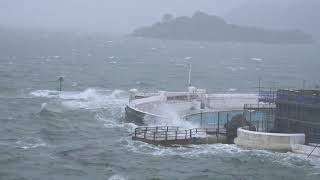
(205, 27)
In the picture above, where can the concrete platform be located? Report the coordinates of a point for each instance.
(269, 141)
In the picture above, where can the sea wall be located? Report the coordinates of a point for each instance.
(270, 141)
(141, 109)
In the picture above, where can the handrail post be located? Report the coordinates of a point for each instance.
(166, 135)
(201, 124)
(185, 137)
(227, 118)
(154, 136)
(190, 133)
(135, 132)
(176, 134)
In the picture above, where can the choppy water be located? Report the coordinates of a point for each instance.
(80, 133)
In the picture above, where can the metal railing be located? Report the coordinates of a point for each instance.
(298, 97)
(167, 133)
(209, 119)
(259, 106)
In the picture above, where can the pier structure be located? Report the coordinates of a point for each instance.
(280, 118)
(146, 107)
(206, 125)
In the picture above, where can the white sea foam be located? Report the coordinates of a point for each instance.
(173, 118)
(224, 150)
(183, 151)
(111, 122)
(43, 106)
(117, 177)
(232, 68)
(91, 98)
(30, 143)
(232, 89)
(256, 59)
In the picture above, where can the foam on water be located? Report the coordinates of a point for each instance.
(173, 117)
(111, 122)
(182, 151)
(232, 68)
(232, 89)
(90, 98)
(224, 150)
(117, 177)
(30, 143)
(256, 59)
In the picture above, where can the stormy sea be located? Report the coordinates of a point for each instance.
(80, 132)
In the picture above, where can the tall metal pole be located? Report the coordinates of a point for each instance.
(60, 83)
(259, 92)
(189, 75)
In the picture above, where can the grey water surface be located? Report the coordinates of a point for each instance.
(80, 133)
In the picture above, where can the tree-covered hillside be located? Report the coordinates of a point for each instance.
(204, 27)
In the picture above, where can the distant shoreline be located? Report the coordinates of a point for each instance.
(208, 28)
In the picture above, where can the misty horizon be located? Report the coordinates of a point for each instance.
(122, 17)
(98, 16)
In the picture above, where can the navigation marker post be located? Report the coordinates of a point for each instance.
(60, 79)
(189, 77)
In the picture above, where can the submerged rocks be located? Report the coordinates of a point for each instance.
(236, 122)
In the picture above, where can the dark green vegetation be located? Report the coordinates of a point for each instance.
(236, 122)
(204, 27)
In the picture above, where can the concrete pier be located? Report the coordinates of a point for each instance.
(269, 141)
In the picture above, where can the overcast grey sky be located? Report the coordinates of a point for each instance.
(101, 15)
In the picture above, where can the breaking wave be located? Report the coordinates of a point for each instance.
(111, 122)
(90, 98)
(223, 150)
(182, 151)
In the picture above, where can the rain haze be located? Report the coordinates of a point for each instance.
(100, 15)
(159, 89)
